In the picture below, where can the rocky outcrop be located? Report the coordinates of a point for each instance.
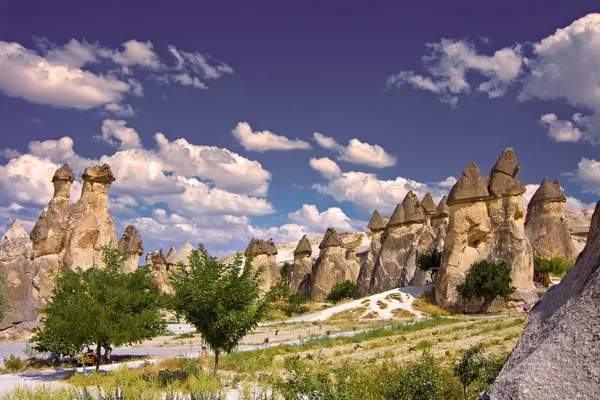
(90, 223)
(377, 226)
(264, 255)
(156, 261)
(579, 226)
(334, 265)
(486, 223)
(50, 231)
(131, 246)
(303, 263)
(15, 262)
(429, 207)
(439, 224)
(557, 355)
(182, 255)
(545, 225)
(407, 234)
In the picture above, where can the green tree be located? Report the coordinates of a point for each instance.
(488, 280)
(105, 307)
(285, 271)
(476, 370)
(294, 303)
(222, 301)
(341, 290)
(170, 303)
(279, 291)
(556, 265)
(5, 305)
(430, 261)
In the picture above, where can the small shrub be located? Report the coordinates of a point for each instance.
(430, 261)
(476, 370)
(487, 280)
(340, 291)
(13, 364)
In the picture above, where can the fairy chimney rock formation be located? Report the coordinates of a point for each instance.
(439, 223)
(91, 225)
(182, 255)
(428, 204)
(487, 223)
(264, 253)
(171, 253)
(331, 267)
(469, 188)
(131, 246)
(397, 217)
(376, 223)
(156, 261)
(50, 231)
(15, 243)
(560, 337)
(303, 263)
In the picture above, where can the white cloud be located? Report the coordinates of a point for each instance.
(59, 152)
(121, 110)
(576, 204)
(199, 63)
(559, 130)
(358, 152)
(74, 54)
(186, 80)
(310, 217)
(587, 175)
(137, 53)
(327, 167)
(448, 182)
(265, 140)
(23, 73)
(448, 63)
(529, 192)
(115, 133)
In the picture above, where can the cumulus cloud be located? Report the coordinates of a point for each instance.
(448, 63)
(23, 73)
(265, 140)
(357, 152)
(115, 133)
(120, 110)
(74, 53)
(309, 216)
(587, 175)
(327, 167)
(559, 130)
(198, 63)
(136, 53)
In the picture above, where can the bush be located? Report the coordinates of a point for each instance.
(487, 280)
(478, 371)
(294, 303)
(556, 265)
(13, 364)
(430, 261)
(341, 290)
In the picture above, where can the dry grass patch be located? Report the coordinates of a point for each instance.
(402, 313)
(382, 304)
(395, 296)
(427, 304)
(351, 313)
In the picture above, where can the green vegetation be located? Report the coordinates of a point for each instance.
(426, 304)
(105, 307)
(222, 301)
(557, 265)
(487, 280)
(340, 291)
(430, 261)
(5, 305)
(476, 370)
(13, 364)
(293, 304)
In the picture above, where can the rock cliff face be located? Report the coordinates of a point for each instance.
(546, 226)
(302, 267)
(486, 221)
(90, 223)
(334, 265)
(579, 226)
(264, 253)
(407, 233)
(377, 226)
(156, 261)
(557, 355)
(131, 246)
(439, 224)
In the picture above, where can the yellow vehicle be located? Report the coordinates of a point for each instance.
(90, 357)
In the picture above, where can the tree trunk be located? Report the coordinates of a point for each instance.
(98, 351)
(216, 362)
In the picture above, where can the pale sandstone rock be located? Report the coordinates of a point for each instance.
(15, 243)
(264, 253)
(486, 228)
(363, 282)
(302, 264)
(439, 224)
(182, 255)
(90, 223)
(330, 268)
(557, 355)
(160, 272)
(546, 226)
(579, 226)
(132, 247)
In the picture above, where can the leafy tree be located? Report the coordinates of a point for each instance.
(278, 291)
(170, 303)
(341, 290)
(430, 261)
(5, 305)
(105, 307)
(556, 265)
(486, 279)
(294, 303)
(477, 370)
(222, 301)
(285, 271)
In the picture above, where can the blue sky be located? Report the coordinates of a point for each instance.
(232, 120)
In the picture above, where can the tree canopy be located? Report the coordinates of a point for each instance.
(101, 306)
(487, 280)
(430, 261)
(222, 301)
(556, 265)
(341, 290)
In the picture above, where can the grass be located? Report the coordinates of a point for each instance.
(382, 304)
(351, 313)
(402, 313)
(427, 305)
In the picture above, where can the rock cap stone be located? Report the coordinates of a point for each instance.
(548, 192)
(181, 255)
(470, 187)
(428, 204)
(131, 241)
(507, 163)
(63, 173)
(376, 223)
(303, 247)
(413, 211)
(98, 174)
(397, 217)
(331, 239)
(257, 247)
(443, 211)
